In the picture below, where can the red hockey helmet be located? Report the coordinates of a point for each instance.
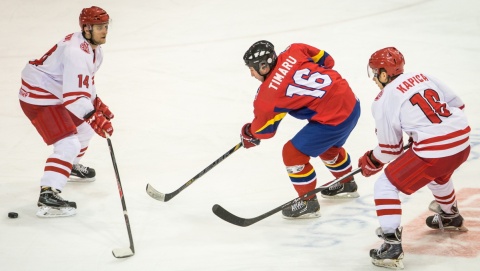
(93, 15)
(389, 59)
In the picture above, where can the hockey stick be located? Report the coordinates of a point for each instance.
(245, 222)
(152, 192)
(130, 251)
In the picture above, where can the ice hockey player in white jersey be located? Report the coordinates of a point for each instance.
(431, 115)
(58, 96)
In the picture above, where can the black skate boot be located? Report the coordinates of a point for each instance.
(390, 253)
(302, 209)
(443, 221)
(81, 173)
(52, 205)
(341, 191)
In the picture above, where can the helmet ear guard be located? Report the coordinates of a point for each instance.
(260, 54)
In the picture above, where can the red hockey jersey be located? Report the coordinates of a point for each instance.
(304, 85)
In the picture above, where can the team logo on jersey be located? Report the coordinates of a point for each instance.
(84, 46)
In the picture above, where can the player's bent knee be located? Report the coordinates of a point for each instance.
(68, 148)
(292, 156)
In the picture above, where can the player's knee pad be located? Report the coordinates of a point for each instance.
(67, 148)
(292, 156)
(333, 155)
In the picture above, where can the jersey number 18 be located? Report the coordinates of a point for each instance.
(430, 105)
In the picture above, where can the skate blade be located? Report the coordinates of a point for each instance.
(74, 179)
(348, 195)
(48, 212)
(305, 216)
(459, 229)
(389, 263)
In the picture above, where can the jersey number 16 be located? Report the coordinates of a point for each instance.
(309, 84)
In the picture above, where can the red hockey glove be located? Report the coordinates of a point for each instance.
(369, 164)
(248, 140)
(99, 123)
(100, 106)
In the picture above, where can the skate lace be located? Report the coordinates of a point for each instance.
(335, 186)
(57, 196)
(81, 168)
(298, 205)
(437, 219)
(382, 249)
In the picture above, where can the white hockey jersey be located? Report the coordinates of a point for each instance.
(426, 110)
(64, 75)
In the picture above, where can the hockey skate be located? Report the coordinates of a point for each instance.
(390, 253)
(443, 221)
(341, 191)
(52, 205)
(302, 209)
(82, 174)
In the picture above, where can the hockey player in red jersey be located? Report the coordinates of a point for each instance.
(432, 116)
(58, 95)
(302, 83)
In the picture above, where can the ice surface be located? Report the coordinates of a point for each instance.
(174, 77)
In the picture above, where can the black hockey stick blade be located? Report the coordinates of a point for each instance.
(155, 194)
(245, 222)
(123, 252)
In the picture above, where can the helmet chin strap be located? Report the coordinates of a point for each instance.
(389, 79)
(90, 40)
(264, 75)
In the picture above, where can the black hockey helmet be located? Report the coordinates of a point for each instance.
(261, 53)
